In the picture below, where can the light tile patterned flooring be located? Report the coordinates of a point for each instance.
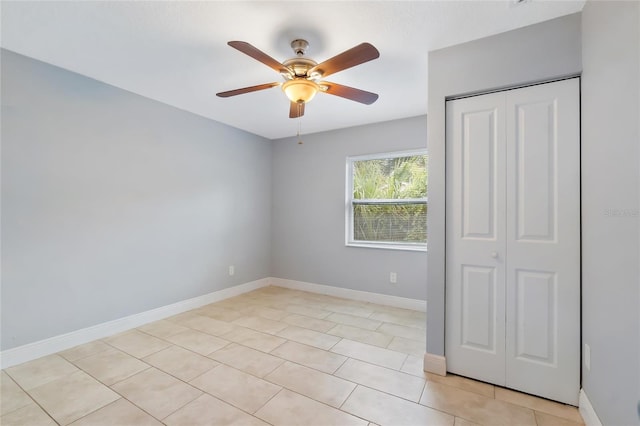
(273, 356)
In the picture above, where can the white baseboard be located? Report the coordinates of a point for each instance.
(59, 343)
(586, 411)
(436, 364)
(346, 293)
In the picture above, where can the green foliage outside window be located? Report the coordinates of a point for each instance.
(386, 180)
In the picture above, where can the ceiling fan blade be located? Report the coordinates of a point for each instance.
(296, 109)
(351, 93)
(349, 58)
(247, 90)
(259, 55)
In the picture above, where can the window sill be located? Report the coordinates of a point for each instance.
(388, 246)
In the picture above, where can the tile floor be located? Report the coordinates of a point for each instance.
(273, 356)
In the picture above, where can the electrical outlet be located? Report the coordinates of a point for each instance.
(232, 269)
(393, 278)
(587, 356)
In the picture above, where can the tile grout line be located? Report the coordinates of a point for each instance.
(127, 399)
(136, 405)
(266, 402)
(30, 397)
(348, 396)
(181, 407)
(383, 391)
(130, 354)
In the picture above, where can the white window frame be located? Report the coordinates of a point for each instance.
(349, 202)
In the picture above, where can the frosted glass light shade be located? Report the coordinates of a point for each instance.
(300, 90)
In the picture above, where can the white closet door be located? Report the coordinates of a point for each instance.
(475, 301)
(543, 240)
(513, 239)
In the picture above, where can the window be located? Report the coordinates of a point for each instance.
(387, 200)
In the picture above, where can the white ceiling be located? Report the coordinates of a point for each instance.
(176, 52)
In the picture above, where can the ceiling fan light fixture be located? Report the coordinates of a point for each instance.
(300, 90)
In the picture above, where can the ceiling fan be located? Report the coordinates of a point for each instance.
(304, 76)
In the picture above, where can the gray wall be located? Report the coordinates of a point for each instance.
(308, 216)
(610, 205)
(113, 204)
(530, 54)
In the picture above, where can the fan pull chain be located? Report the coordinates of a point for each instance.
(299, 122)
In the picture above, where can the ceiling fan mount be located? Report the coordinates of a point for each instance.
(299, 46)
(303, 75)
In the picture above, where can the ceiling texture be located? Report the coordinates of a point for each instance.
(176, 52)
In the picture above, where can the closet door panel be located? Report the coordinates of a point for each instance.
(479, 289)
(477, 165)
(475, 343)
(543, 240)
(535, 152)
(536, 295)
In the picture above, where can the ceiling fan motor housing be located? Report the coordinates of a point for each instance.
(299, 66)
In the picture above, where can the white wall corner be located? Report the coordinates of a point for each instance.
(31, 351)
(347, 293)
(586, 411)
(436, 364)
